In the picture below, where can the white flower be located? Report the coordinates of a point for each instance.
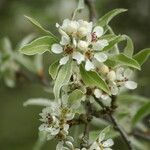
(123, 77)
(99, 94)
(101, 143)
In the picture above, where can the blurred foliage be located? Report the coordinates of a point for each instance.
(18, 125)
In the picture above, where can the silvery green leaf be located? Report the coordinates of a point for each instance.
(113, 42)
(103, 21)
(25, 62)
(53, 69)
(75, 97)
(79, 8)
(129, 49)
(142, 56)
(25, 41)
(38, 46)
(7, 46)
(91, 78)
(41, 141)
(80, 5)
(38, 102)
(63, 78)
(38, 61)
(142, 112)
(125, 60)
(38, 25)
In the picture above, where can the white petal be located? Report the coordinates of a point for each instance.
(131, 85)
(99, 31)
(74, 42)
(128, 73)
(97, 93)
(65, 40)
(64, 60)
(99, 45)
(101, 137)
(78, 57)
(101, 57)
(89, 38)
(88, 65)
(94, 146)
(56, 48)
(108, 143)
(119, 73)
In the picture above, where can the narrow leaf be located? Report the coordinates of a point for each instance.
(125, 60)
(142, 56)
(38, 102)
(128, 50)
(38, 25)
(113, 42)
(92, 78)
(75, 97)
(38, 46)
(109, 16)
(63, 78)
(53, 69)
(142, 112)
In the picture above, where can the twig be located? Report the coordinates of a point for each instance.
(121, 131)
(92, 10)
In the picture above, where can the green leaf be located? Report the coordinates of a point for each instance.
(38, 102)
(80, 5)
(113, 42)
(25, 62)
(38, 25)
(41, 141)
(109, 16)
(142, 56)
(53, 69)
(129, 49)
(125, 60)
(75, 97)
(92, 78)
(63, 78)
(142, 112)
(38, 46)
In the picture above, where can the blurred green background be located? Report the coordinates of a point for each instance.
(19, 125)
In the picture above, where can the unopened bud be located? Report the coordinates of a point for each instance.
(82, 31)
(82, 45)
(104, 69)
(111, 75)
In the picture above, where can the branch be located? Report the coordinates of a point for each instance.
(92, 11)
(109, 111)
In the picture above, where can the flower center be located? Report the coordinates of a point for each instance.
(94, 37)
(49, 119)
(88, 54)
(68, 49)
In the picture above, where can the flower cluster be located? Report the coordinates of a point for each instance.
(82, 42)
(101, 143)
(55, 118)
(117, 79)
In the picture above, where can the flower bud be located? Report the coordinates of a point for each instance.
(72, 27)
(111, 75)
(103, 69)
(82, 45)
(82, 31)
